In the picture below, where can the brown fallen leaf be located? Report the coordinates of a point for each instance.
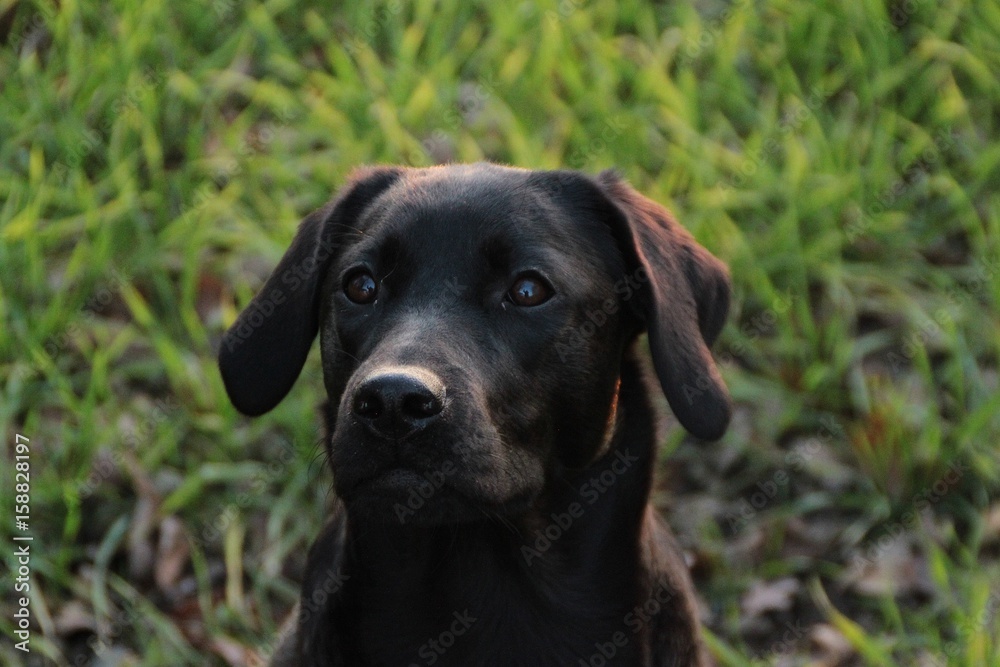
(813, 538)
(991, 529)
(769, 596)
(210, 296)
(141, 552)
(830, 647)
(747, 546)
(172, 551)
(74, 617)
(892, 567)
(234, 653)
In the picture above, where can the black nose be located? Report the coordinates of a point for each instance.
(398, 403)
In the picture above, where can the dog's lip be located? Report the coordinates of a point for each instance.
(396, 479)
(400, 476)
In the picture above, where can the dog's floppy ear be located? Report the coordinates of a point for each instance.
(263, 352)
(684, 302)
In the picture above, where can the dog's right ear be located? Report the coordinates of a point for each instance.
(264, 350)
(684, 304)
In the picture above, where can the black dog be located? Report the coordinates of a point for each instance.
(491, 438)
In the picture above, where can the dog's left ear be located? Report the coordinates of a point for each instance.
(684, 303)
(264, 350)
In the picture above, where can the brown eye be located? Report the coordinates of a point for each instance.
(529, 291)
(360, 287)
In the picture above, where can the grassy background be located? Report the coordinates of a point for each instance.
(842, 158)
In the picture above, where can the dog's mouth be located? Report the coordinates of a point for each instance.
(409, 496)
(398, 480)
(403, 493)
(437, 479)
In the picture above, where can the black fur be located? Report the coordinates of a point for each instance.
(503, 518)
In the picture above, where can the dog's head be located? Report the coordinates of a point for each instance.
(472, 323)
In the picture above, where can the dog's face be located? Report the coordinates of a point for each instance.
(451, 343)
(472, 322)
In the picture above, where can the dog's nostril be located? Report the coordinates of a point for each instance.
(398, 402)
(368, 405)
(421, 406)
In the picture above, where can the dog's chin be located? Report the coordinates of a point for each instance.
(407, 498)
(378, 509)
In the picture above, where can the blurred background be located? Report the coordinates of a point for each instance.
(841, 157)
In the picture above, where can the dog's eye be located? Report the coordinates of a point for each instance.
(360, 287)
(529, 290)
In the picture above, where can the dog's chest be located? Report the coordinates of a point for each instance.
(486, 642)
(501, 628)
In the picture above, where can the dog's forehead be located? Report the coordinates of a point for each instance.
(459, 213)
(462, 205)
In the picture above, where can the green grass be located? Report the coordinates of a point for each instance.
(842, 158)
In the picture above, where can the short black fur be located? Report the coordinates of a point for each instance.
(492, 462)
